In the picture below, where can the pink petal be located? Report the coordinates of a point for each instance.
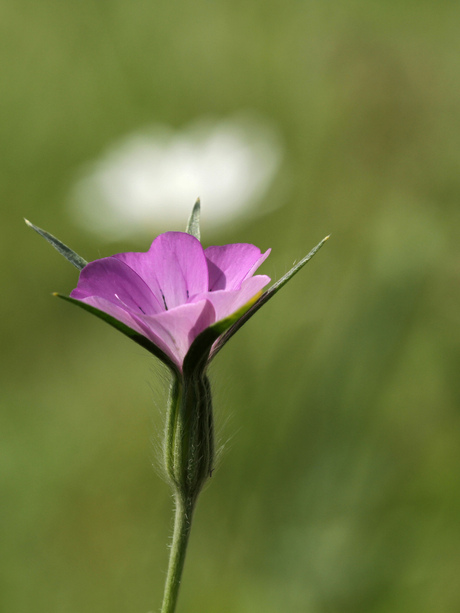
(114, 281)
(118, 312)
(177, 328)
(226, 302)
(174, 268)
(230, 265)
(171, 331)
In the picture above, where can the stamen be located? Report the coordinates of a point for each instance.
(164, 300)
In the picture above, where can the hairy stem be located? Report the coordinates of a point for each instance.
(182, 526)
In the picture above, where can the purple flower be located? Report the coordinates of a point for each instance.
(181, 302)
(175, 290)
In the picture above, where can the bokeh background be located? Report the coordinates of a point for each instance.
(338, 404)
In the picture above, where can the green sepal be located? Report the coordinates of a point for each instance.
(198, 354)
(126, 330)
(67, 252)
(193, 224)
(264, 298)
(189, 436)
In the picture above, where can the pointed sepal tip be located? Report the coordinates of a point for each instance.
(193, 224)
(70, 255)
(261, 300)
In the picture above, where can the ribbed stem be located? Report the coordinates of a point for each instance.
(182, 526)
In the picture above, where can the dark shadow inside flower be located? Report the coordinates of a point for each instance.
(217, 278)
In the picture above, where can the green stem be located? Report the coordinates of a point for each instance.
(182, 526)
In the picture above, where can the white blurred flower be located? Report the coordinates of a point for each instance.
(150, 179)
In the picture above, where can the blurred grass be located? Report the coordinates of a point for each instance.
(339, 487)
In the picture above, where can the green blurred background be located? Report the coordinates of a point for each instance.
(338, 491)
